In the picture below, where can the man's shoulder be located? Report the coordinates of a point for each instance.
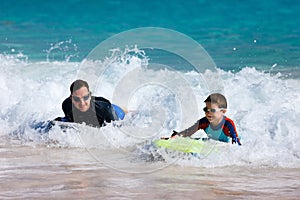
(67, 103)
(101, 103)
(100, 100)
(104, 108)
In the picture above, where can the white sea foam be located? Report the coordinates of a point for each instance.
(265, 108)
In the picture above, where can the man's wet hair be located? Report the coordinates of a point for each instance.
(76, 85)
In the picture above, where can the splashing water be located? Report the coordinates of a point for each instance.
(63, 49)
(265, 108)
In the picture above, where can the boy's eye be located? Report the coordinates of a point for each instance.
(213, 110)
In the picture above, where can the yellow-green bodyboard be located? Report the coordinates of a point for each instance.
(187, 145)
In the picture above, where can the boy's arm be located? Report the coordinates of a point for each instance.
(200, 124)
(232, 131)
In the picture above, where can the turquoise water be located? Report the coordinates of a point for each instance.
(43, 44)
(235, 34)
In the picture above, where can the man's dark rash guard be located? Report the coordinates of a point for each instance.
(99, 113)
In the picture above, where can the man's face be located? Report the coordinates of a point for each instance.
(81, 99)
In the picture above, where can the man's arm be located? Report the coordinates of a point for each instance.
(67, 109)
(104, 109)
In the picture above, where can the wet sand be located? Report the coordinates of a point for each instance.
(71, 173)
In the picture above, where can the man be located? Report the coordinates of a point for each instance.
(82, 107)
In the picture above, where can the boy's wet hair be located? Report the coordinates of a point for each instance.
(218, 99)
(76, 85)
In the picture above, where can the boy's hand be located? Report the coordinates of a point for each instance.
(236, 140)
(174, 134)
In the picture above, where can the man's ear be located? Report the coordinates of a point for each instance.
(224, 111)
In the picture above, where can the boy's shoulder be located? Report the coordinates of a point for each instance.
(203, 120)
(228, 121)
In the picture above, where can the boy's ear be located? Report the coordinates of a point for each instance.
(224, 111)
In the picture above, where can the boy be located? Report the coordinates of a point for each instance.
(216, 125)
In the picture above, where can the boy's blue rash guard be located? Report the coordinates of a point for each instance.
(223, 132)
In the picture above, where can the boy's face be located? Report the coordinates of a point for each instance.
(214, 117)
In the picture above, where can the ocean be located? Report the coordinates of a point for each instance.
(159, 60)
